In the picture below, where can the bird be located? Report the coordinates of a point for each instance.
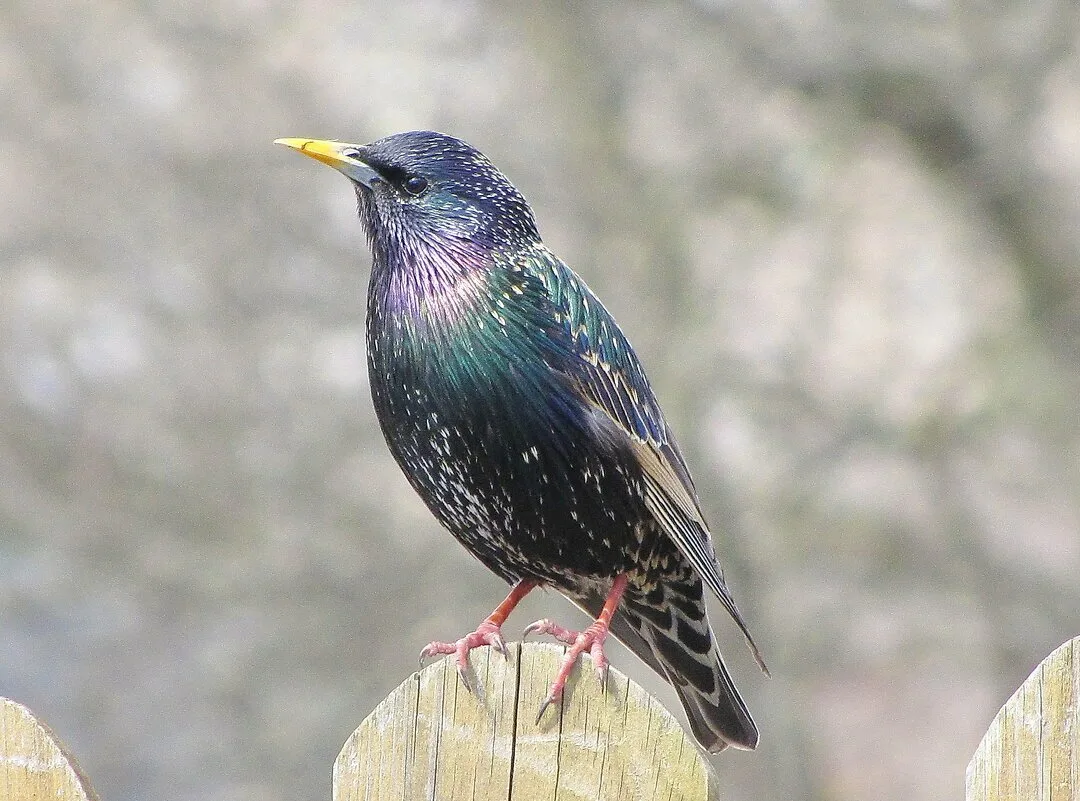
(521, 415)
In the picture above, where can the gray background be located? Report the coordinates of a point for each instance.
(843, 236)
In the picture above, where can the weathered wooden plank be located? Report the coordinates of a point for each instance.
(1031, 752)
(34, 765)
(433, 739)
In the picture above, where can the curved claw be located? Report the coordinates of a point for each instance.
(429, 651)
(601, 666)
(496, 641)
(466, 682)
(551, 698)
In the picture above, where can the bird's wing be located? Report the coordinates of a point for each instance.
(608, 377)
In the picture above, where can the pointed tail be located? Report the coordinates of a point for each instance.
(669, 629)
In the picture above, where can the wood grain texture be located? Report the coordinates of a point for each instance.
(34, 765)
(433, 739)
(1031, 752)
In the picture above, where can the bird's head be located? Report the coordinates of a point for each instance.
(424, 188)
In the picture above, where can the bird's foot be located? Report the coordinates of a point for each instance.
(487, 633)
(591, 641)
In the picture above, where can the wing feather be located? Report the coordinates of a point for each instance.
(607, 376)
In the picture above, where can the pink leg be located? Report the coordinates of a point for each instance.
(591, 640)
(487, 633)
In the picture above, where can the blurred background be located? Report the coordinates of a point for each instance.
(844, 238)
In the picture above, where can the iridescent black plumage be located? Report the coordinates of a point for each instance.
(521, 415)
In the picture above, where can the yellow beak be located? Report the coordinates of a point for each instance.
(340, 155)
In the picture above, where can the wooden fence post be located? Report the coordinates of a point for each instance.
(34, 766)
(1031, 752)
(432, 739)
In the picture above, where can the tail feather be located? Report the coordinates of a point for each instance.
(681, 641)
(669, 630)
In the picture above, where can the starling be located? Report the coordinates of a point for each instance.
(519, 412)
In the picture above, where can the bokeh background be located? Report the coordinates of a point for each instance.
(844, 238)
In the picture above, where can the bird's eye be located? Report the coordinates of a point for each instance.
(351, 153)
(415, 185)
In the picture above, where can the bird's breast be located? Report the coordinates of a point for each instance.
(471, 386)
(471, 339)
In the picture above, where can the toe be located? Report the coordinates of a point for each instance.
(536, 627)
(547, 626)
(436, 649)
